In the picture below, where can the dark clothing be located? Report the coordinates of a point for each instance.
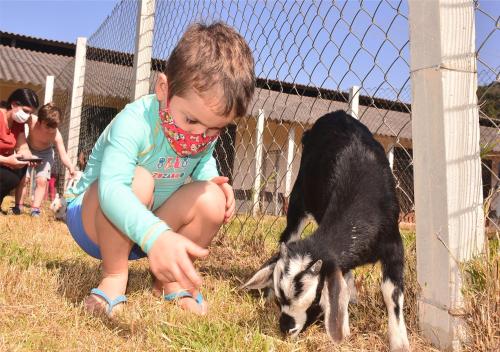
(9, 179)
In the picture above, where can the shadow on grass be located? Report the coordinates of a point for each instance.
(76, 277)
(234, 274)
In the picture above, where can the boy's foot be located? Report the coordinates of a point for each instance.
(106, 298)
(16, 210)
(184, 299)
(35, 212)
(98, 303)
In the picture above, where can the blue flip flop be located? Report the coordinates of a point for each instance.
(111, 303)
(181, 294)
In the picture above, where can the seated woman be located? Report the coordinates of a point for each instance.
(13, 115)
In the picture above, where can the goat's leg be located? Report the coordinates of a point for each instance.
(296, 217)
(353, 293)
(392, 290)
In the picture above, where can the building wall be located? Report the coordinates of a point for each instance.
(6, 88)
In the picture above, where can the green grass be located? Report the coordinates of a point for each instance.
(44, 277)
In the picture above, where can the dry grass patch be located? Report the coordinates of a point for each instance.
(44, 277)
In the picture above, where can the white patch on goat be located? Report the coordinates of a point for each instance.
(298, 305)
(295, 266)
(325, 304)
(295, 236)
(397, 328)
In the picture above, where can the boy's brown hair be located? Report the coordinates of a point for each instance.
(213, 56)
(51, 114)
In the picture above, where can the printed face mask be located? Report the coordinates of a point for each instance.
(183, 142)
(20, 116)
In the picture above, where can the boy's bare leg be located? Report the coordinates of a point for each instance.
(41, 185)
(114, 246)
(196, 211)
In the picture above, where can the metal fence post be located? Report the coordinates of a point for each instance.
(354, 102)
(49, 89)
(259, 146)
(143, 48)
(76, 99)
(448, 191)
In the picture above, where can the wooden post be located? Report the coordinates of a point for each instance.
(354, 102)
(143, 48)
(259, 147)
(49, 89)
(447, 165)
(76, 100)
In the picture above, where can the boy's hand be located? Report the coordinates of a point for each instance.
(169, 260)
(228, 192)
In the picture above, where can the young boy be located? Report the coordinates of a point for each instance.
(132, 200)
(43, 136)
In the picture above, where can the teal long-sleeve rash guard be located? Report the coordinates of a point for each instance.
(135, 138)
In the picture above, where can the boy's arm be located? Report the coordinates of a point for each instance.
(206, 170)
(124, 140)
(22, 146)
(61, 150)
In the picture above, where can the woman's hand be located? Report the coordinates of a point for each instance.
(12, 161)
(222, 182)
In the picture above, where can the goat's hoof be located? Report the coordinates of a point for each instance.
(401, 347)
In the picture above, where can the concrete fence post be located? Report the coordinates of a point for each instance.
(75, 114)
(447, 165)
(49, 89)
(289, 160)
(259, 147)
(354, 102)
(143, 48)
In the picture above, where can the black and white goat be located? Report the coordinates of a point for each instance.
(346, 184)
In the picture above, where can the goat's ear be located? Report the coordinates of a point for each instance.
(335, 298)
(263, 278)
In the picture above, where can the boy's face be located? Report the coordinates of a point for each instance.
(195, 114)
(192, 112)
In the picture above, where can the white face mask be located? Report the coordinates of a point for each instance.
(20, 116)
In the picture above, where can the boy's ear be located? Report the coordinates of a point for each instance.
(161, 88)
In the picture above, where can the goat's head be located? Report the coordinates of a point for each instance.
(58, 206)
(304, 288)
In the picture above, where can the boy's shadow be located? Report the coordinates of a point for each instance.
(76, 277)
(234, 274)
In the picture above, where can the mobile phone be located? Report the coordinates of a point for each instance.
(33, 159)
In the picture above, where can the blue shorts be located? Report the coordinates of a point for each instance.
(75, 226)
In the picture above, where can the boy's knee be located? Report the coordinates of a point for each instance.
(212, 202)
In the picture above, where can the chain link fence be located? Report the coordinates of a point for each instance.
(109, 73)
(309, 56)
(488, 93)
